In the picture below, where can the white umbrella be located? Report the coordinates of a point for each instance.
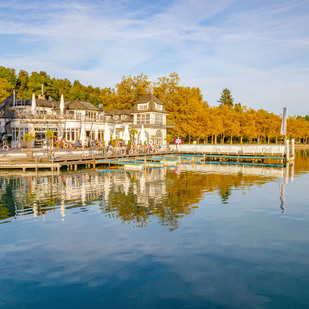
(114, 134)
(61, 105)
(83, 134)
(106, 134)
(126, 134)
(33, 104)
(143, 135)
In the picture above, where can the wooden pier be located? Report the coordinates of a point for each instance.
(137, 161)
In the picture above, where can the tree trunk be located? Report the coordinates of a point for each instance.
(29, 154)
(216, 139)
(212, 139)
(241, 139)
(231, 141)
(222, 141)
(276, 139)
(189, 139)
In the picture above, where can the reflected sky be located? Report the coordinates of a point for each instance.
(169, 239)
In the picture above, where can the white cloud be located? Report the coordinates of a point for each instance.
(257, 52)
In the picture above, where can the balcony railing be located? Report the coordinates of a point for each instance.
(168, 123)
(98, 119)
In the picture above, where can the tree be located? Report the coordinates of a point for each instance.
(5, 89)
(50, 136)
(29, 137)
(226, 98)
(9, 75)
(130, 90)
(133, 132)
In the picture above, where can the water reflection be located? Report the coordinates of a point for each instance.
(134, 197)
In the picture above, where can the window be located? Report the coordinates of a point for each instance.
(158, 119)
(143, 119)
(123, 117)
(158, 107)
(142, 106)
(158, 138)
(116, 117)
(118, 133)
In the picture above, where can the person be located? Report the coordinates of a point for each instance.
(78, 144)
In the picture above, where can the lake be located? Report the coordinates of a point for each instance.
(202, 236)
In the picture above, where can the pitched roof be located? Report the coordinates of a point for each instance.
(45, 103)
(149, 98)
(152, 100)
(80, 105)
(118, 112)
(10, 100)
(18, 102)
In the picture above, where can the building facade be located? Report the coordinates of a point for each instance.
(79, 121)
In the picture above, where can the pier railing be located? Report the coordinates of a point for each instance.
(231, 149)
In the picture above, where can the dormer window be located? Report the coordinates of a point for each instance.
(158, 107)
(142, 106)
(123, 117)
(116, 117)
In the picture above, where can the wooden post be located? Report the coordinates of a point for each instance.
(75, 167)
(293, 148)
(192, 160)
(204, 158)
(24, 169)
(145, 162)
(164, 162)
(179, 160)
(287, 150)
(287, 168)
(68, 167)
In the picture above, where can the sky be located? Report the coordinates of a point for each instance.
(258, 49)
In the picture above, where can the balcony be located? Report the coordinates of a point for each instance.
(149, 122)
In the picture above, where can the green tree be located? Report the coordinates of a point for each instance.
(9, 75)
(5, 89)
(50, 136)
(133, 132)
(29, 137)
(226, 98)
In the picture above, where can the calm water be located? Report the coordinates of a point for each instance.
(211, 236)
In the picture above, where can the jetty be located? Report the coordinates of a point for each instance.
(58, 159)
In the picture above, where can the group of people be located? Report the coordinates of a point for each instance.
(63, 143)
(113, 146)
(122, 147)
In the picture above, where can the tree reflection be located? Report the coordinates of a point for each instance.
(134, 198)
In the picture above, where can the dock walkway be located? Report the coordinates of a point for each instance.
(135, 161)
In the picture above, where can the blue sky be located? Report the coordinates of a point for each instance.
(257, 49)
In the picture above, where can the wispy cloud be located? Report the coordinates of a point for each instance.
(258, 50)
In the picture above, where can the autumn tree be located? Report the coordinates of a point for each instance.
(130, 90)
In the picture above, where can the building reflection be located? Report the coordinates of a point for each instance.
(133, 197)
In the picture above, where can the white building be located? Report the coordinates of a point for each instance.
(76, 119)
